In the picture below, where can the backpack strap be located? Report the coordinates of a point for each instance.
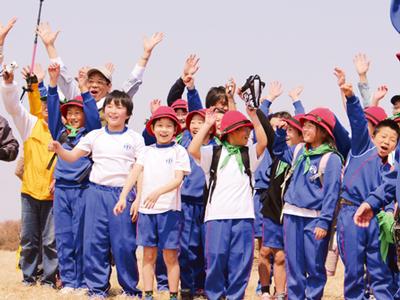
(296, 152)
(62, 139)
(244, 152)
(322, 166)
(213, 174)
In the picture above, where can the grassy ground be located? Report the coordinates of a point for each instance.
(12, 288)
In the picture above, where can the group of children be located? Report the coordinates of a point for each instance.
(200, 185)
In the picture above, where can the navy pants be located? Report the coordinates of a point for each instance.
(359, 247)
(69, 209)
(229, 256)
(105, 232)
(305, 258)
(191, 257)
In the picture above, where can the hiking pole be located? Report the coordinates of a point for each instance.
(29, 80)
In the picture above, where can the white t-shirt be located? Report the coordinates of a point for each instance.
(159, 166)
(232, 197)
(113, 154)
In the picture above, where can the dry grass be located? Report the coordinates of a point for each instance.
(12, 288)
(9, 235)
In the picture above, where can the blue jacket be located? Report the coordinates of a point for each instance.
(306, 191)
(67, 174)
(364, 169)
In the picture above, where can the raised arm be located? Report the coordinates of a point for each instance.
(361, 62)
(4, 30)
(131, 85)
(294, 94)
(66, 82)
(259, 132)
(53, 103)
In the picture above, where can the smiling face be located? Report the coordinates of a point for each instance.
(164, 130)
(385, 140)
(181, 114)
(98, 86)
(239, 137)
(115, 115)
(195, 124)
(75, 116)
(313, 134)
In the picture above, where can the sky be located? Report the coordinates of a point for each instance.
(295, 42)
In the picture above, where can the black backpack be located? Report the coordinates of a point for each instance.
(209, 190)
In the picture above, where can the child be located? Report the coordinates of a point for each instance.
(161, 168)
(72, 179)
(180, 107)
(366, 166)
(309, 203)
(114, 149)
(191, 256)
(229, 214)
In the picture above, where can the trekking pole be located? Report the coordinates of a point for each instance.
(30, 77)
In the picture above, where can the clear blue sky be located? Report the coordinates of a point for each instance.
(295, 42)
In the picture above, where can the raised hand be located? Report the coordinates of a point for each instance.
(347, 89)
(340, 75)
(295, 93)
(110, 67)
(7, 77)
(361, 62)
(47, 36)
(54, 73)
(274, 90)
(154, 105)
(191, 66)
(379, 94)
(4, 30)
(150, 43)
(211, 117)
(83, 79)
(230, 88)
(37, 71)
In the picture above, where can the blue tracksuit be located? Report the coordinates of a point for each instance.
(71, 182)
(359, 246)
(305, 256)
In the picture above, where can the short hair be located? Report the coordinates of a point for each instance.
(280, 114)
(390, 124)
(120, 98)
(214, 95)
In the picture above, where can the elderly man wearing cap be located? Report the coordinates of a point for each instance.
(100, 78)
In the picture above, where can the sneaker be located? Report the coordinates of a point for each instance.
(266, 296)
(200, 294)
(281, 296)
(28, 283)
(67, 290)
(258, 289)
(186, 294)
(81, 291)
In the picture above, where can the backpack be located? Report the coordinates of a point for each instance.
(209, 190)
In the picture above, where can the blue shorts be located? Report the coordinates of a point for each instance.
(272, 234)
(258, 221)
(159, 230)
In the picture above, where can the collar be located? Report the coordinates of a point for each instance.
(165, 145)
(100, 103)
(115, 132)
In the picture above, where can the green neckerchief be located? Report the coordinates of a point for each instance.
(386, 223)
(178, 138)
(217, 141)
(232, 150)
(281, 168)
(73, 132)
(394, 116)
(321, 150)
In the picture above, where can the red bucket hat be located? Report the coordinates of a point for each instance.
(180, 104)
(322, 117)
(201, 112)
(295, 121)
(77, 101)
(163, 112)
(233, 120)
(375, 114)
